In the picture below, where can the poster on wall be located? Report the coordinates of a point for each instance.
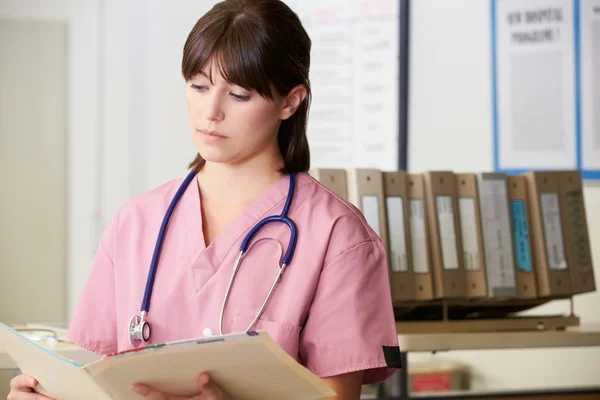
(546, 97)
(353, 120)
(590, 87)
(534, 85)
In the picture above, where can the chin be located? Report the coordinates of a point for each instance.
(215, 156)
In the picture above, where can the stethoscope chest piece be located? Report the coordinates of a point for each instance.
(138, 330)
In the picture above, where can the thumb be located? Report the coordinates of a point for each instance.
(203, 380)
(208, 389)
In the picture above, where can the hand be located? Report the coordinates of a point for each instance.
(21, 388)
(207, 389)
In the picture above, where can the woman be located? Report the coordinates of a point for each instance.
(246, 67)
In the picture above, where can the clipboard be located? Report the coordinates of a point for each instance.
(247, 366)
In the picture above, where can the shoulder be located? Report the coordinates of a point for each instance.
(333, 210)
(333, 219)
(140, 211)
(153, 201)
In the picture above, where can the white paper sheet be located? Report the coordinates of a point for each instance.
(418, 237)
(370, 209)
(397, 236)
(445, 214)
(469, 229)
(555, 248)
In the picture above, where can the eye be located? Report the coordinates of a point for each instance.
(199, 88)
(239, 97)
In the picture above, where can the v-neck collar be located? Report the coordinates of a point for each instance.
(208, 259)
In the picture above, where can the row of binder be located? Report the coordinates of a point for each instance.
(488, 235)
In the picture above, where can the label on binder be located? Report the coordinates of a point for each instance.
(396, 231)
(521, 235)
(445, 213)
(555, 248)
(468, 229)
(370, 209)
(418, 237)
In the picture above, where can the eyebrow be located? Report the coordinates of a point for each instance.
(204, 74)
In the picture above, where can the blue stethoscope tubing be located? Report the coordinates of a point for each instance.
(139, 328)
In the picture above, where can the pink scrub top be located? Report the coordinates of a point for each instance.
(332, 310)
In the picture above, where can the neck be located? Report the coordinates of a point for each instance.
(240, 182)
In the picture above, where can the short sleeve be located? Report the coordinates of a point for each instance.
(350, 324)
(93, 325)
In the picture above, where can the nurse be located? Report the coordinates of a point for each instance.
(246, 68)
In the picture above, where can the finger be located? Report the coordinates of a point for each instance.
(23, 383)
(151, 393)
(148, 392)
(22, 388)
(27, 396)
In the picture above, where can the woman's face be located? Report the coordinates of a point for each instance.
(230, 124)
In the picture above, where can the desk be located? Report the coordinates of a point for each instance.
(580, 336)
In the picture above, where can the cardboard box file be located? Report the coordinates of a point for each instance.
(519, 206)
(471, 235)
(496, 225)
(365, 191)
(442, 216)
(575, 232)
(551, 268)
(419, 238)
(401, 272)
(332, 179)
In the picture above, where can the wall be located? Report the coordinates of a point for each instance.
(147, 135)
(128, 131)
(450, 125)
(81, 135)
(84, 130)
(33, 171)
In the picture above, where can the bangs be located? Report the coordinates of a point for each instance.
(237, 55)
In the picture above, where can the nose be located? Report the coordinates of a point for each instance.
(213, 110)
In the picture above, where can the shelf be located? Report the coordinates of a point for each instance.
(578, 336)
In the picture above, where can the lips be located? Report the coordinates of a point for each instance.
(214, 134)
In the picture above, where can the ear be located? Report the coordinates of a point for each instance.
(292, 101)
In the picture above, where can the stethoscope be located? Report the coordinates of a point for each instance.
(139, 328)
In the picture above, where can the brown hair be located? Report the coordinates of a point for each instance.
(259, 45)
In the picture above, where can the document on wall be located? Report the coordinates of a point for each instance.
(535, 92)
(353, 120)
(590, 84)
